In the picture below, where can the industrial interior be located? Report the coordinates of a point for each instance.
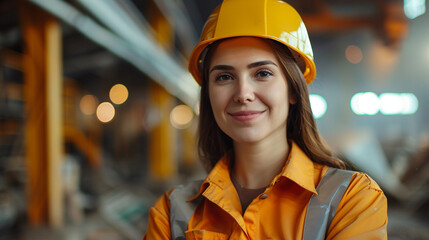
(98, 113)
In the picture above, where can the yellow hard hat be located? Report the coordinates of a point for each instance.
(270, 19)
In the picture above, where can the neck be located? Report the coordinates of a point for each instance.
(256, 164)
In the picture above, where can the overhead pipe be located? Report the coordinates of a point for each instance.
(119, 20)
(132, 45)
(178, 17)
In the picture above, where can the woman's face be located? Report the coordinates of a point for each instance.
(248, 91)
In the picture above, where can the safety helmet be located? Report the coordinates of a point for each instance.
(269, 19)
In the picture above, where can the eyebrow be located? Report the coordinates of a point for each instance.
(251, 65)
(261, 63)
(222, 67)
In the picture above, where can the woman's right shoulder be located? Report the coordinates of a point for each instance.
(178, 193)
(162, 205)
(158, 225)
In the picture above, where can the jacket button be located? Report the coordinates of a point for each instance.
(263, 196)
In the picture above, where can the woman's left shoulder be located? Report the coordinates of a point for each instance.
(362, 211)
(361, 182)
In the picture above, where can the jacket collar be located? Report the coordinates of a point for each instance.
(218, 176)
(298, 168)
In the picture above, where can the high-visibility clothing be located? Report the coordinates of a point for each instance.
(279, 212)
(320, 210)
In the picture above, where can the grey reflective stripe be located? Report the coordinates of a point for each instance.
(321, 208)
(320, 211)
(181, 210)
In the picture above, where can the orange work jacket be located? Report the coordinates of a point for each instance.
(279, 212)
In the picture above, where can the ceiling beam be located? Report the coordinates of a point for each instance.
(325, 22)
(126, 40)
(177, 15)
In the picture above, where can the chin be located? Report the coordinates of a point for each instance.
(247, 137)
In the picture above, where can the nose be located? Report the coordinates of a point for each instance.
(244, 92)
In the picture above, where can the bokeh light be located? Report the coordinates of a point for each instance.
(318, 105)
(369, 103)
(181, 116)
(398, 103)
(354, 54)
(390, 104)
(105, 112)
(118, 94)
(411, 104)
(88, 104)
(366, 103)
(414, 8)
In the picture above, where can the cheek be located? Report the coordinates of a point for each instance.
(217, 101)
(277, 95)
(277, 100)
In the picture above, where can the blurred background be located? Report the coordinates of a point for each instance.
(98, 113)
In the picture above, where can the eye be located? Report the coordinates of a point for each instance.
(223, 77)
(264, 74)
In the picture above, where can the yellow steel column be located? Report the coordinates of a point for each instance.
(189, 151)
(55, 140)
(163, 153)
(163, 159)
(43, 99)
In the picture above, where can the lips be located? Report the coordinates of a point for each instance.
(244, 116)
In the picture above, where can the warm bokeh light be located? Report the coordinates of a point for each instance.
(354, 54)
(318, 105)
(181, 116)
(381, 61)
(88, 104)
(105, 112)
(118, 94)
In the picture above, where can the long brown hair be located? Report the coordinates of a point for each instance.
(213, 143)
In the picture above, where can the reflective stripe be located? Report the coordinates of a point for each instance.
(181, 210)
(321, 208)
(320, 211)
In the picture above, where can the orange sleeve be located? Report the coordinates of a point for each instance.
(158, 226)
(361, 213)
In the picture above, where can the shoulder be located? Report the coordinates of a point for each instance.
(363, 197)
(362, 182)
(361, 212)
(359, 190)
(359, 181)
(158, 226)
(190, 187)
(179, 193)
(162, 205)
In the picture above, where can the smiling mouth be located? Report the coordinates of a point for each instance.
(244, 116)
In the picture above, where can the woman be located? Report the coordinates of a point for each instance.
(270, 175)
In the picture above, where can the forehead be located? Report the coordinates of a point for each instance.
(245, 49)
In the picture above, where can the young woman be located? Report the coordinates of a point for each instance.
(270, 174)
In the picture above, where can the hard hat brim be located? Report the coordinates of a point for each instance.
(196, 57)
